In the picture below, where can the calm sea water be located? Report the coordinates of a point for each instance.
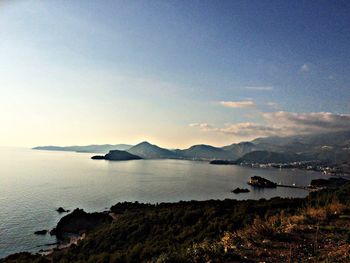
(34, 183)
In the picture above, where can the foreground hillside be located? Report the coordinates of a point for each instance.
(314, 229)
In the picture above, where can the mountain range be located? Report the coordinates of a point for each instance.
(334, 147)
(93, 148)
(205, 152)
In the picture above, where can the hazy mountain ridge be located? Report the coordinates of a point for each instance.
(265, 157)
(333, 146)
(242, 148)
(93, 148)
(205, 152)
(325, 147)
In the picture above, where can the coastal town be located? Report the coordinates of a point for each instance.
(318, 166)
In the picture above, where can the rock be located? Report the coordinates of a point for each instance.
(98, 157)
(51, 244)
(240, 190)
(52, 232)
(41, 232)
(79, 222)
(62, 210)
(223, 162)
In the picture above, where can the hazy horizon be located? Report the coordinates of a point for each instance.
(170, 72)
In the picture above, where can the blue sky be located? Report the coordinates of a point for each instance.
(172, 72)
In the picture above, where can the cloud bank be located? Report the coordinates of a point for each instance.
(238, 104)
(202, 126)
(283, 123)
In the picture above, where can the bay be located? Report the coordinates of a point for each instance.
(34, 183)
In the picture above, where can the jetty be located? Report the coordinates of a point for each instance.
(295, 186)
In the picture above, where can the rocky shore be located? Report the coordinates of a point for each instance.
(79, 222)
(218, 231)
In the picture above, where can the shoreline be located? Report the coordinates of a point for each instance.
(232, 198)
(131, 221)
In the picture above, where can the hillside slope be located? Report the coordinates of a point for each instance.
(205, 152)
(151, 151)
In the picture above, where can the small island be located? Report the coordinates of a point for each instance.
(41, 232)
(240, 190)
(62, 210)
(223, 162)
(258, 181)
(117, 155)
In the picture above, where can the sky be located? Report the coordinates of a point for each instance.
(175, 73)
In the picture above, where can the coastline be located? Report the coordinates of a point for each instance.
(209, 182)
(232, 215)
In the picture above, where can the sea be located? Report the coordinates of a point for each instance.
(34, 183)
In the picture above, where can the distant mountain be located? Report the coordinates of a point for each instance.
(117, 155)
(334, 147)
(240, 149)
(302, 142)
(205, 152)
(269, 157)
(94, 148)
(151, 151)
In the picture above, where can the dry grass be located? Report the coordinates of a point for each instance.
(296, 219)
(336, 208)
(284, 237)
(255, 233)
(325, 212)
(316, 213)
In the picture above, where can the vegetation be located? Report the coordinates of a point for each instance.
(277, 230)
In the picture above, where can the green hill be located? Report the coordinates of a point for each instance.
(264, 157)
(151, 151)
(205, 152)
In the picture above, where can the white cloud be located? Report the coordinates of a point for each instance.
(313, 122)
(285, 124)
(304, 68)
(202, 126)
(274, 105)
(238, 104)
(247, 129)
(260, 88)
